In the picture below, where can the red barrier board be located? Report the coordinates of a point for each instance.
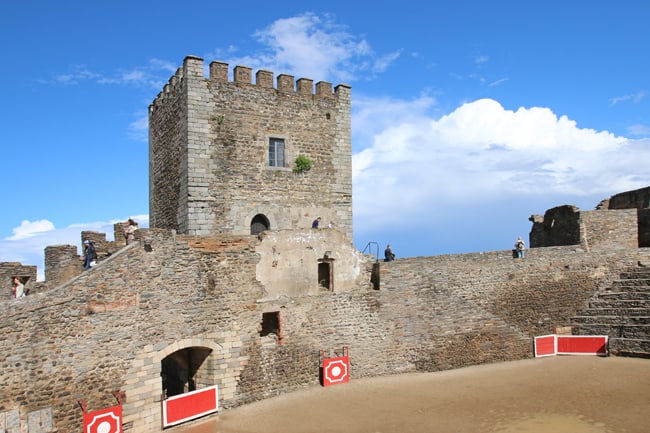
(107, 420)
(336, 370)
(545, 346)
(582, 345)
(189, 406)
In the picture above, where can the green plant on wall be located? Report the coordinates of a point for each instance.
(302, 163)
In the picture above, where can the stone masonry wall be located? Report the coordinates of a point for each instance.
(110, 328)
(209, 152)
(609, 229)
(167, 147)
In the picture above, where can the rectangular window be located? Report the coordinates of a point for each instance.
(276, 152)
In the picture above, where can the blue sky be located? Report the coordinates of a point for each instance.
(467, 116)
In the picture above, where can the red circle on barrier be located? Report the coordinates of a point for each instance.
(104, 423)
(336, 371)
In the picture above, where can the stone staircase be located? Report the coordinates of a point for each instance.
(622, 312)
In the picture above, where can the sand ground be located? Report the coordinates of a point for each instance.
(564, 394)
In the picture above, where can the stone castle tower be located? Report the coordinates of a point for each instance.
(221, 153)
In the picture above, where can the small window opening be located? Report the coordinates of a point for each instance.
(276, 152)
(270, 323)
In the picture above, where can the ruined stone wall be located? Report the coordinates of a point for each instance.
(592, 230)
(62, 263)
(110, 328)
(559, 226)
(209, 152)
(636, 199)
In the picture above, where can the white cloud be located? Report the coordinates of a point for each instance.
(28, 229)
(153, 75)
(634, 97)
(481, 59)
(639, 130)
(482, 152)
(139, 128)
(312, 46)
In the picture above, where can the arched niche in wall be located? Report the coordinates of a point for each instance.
(259, 223)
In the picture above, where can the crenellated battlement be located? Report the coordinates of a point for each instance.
(193, 68)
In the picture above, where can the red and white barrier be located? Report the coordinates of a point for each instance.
(190, 405)
(107, 420)
(551, 345)
(335, 370)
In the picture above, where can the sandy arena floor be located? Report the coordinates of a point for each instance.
(565, 394)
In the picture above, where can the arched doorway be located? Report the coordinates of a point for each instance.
(259, 224)
(182, 370)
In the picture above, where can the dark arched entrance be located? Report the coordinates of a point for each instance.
(180, 370)
(259, 224)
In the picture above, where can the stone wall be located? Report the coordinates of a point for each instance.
(111, 327)
(209, 144)
(609, 229)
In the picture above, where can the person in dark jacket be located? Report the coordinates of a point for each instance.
(90, 254)
(389, 255)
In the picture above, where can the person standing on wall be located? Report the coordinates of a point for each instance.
(90, 254)
(129, 232)
(520, 246)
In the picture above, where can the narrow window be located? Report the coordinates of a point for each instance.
(271, 331)
(276, 152)
(270, 323)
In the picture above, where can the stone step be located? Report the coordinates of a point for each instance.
(641, 332)
(617, 312)
(635, 274)
(619, 303)
(641, 285)
(614, 320)
(635, 347)
(622, 295)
